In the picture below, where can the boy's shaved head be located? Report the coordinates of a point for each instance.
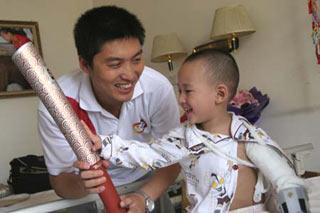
(219, 66)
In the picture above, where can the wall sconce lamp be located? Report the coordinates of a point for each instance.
(229, 24)
(166, 48)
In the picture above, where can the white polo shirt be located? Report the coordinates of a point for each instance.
(152, 112)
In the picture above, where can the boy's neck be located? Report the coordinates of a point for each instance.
(220, 124)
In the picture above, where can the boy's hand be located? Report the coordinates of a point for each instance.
(96, 141)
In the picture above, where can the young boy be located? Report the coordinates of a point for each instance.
(221, 154)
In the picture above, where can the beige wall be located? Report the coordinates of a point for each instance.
(18, 127)
(278, 59)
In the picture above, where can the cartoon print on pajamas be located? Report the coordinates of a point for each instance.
(193, 161)
(247, 136)
(118, 162)
(121, 149)
(219, 190)
(192, 201)
(174, 140)
(196, 156)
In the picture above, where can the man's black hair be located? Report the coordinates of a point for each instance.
(221, 67)
(102, 24)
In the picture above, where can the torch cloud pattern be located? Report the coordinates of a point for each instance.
(42, 81)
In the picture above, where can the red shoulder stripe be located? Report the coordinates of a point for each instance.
(82, 114)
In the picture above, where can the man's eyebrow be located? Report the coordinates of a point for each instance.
(138, 53)
(111, 59)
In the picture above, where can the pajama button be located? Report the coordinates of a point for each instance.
(235, 167)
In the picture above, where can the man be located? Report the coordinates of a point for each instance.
(119, 95)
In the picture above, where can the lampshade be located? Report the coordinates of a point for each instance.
(231, 21)
(166, 47)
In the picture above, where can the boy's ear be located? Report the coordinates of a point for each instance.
(222, 93)
(84, 65)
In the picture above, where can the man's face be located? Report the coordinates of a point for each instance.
(115, 71)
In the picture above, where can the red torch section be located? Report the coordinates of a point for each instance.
(110, 201)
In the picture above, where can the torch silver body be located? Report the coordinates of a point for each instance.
(42, 81)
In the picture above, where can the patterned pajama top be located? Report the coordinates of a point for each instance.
(211, 179)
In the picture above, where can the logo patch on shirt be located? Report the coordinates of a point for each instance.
(139, 126)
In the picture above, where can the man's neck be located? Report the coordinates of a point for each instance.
(113, 109)
(110, 105)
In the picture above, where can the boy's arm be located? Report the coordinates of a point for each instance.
(156, 154)
(269, 158)
(129, 153)
(275, 167)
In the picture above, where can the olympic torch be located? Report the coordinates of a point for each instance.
(42, 81)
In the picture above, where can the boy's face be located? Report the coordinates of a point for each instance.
(115, 71)
(196, 95)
